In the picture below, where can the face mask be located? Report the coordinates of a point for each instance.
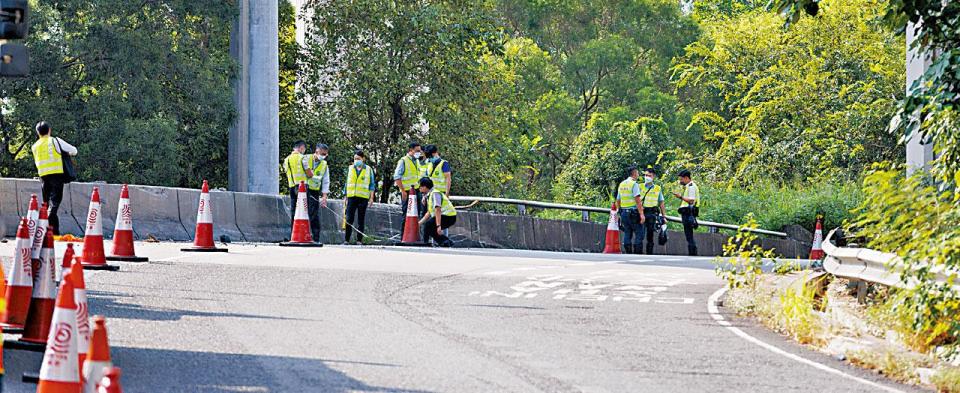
(435, 160)
(417, 155)
(357, 163)
(322, 157)
(647, 180)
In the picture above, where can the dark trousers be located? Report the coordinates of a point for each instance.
(52, 190)
(418, 198)
(356, 208)
(650, 227)
(294, 191)
(313, 211)
(688, 223)
(632, 231)
(430, 227)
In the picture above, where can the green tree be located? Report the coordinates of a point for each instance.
(798, 103)
(386, 72)
(142, 89)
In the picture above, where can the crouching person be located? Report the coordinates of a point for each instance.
(440, 213)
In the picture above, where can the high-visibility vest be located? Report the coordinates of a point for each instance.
(687, 192)
(435, 171)
(319, 167)
(651, 196)
(293, 165)
(625, 190)
(446, 207)
(358, 185)
(46, 157)
(412, 172)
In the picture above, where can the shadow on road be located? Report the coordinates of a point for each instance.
(106, 303)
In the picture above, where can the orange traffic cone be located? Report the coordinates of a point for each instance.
(203, 239)
(92, 255)
(816, 252)
(60, 372)
(33, 218)
(123, 232)
(40, 233)
(20, 280)
(75, 274)
(612, 243)
(110, 382)
(98, 356)
(411, 224)
(66, 262)
(300, 233)
(37, 327)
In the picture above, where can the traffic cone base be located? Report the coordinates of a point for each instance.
(111, 268)
(300, 233)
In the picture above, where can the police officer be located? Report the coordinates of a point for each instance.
(628, 199)
(359, 190)
(48, 156)
(438, 169)
(297, 168)
(440, 213)
(406, 177)
(688, 209)
(318, 187)
(653, 206)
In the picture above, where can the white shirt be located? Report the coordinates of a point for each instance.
(58, 143)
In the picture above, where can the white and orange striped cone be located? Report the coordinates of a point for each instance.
(33, 222)
(300, 232)
(37, 327)
(612, 242)
(816, 251)
(110, 383)
(60, 372)
(123, 232)
(92, 257)
(203, 238)
(75, 274)
(40, 233)
(411, 223)
(98, 359)
(66, 262)
(19, 281)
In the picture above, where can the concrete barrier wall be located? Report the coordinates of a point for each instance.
(170, 214)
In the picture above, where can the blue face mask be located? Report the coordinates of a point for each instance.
(435, 160)
(357, 163)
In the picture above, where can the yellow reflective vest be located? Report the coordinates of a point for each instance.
(358, 184)
(690, 191)
(412, 172)
(446, 207)
(319, 167)
(625, 191)
(46, 157)
(651, 197)
(293, 166)
(435, 172)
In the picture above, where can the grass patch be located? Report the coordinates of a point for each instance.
(899, 366)
(947, 380)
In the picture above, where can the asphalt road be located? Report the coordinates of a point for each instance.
(347, 319)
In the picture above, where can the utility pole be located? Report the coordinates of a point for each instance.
(919, 154)
(254, 145)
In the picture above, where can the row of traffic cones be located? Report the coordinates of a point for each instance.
(56, 323)
(612, 240)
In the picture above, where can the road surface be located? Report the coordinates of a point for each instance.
(346, 319)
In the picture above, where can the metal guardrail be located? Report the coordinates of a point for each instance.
(874, 266)
(586, 210)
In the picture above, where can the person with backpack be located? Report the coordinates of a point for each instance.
(54, 168)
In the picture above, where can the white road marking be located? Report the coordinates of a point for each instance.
(715, 313)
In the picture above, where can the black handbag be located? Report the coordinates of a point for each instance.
(69, 170)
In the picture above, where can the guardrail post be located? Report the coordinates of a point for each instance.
(585, 216)
(522, 210)
(861, 292)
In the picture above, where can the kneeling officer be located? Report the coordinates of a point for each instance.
(440, 213)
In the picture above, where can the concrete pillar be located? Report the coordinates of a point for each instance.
(254, 145)
(919, 155)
